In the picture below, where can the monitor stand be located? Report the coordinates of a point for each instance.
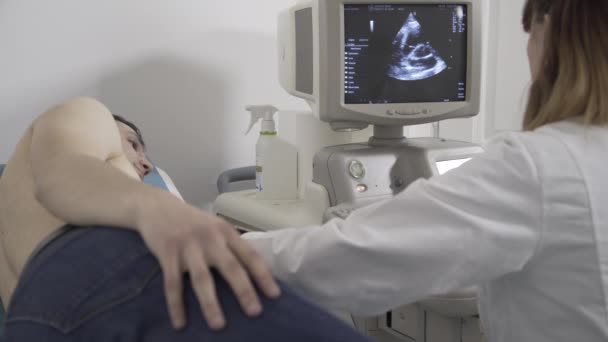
(387, 136)
(386, 164)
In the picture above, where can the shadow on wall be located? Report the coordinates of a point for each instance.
(176, 104)
(20, 106)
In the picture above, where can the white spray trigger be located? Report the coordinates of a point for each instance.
(265, 112)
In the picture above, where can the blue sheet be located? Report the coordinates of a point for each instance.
(154, 178)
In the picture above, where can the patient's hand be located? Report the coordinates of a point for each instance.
(186, 239)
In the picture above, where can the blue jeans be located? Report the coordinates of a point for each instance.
(103, 284)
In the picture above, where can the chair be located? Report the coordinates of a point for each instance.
(236, 179)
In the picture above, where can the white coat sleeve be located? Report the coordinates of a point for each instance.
(473, 224)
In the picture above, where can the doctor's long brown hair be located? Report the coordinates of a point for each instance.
(573, 79)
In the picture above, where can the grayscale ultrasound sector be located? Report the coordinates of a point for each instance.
(413, 60)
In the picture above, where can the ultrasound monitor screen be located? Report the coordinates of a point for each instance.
(405, 53)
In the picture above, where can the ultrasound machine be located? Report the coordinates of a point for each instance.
(388, 64)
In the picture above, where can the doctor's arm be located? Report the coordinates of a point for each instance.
(73, 150)
(470, 225)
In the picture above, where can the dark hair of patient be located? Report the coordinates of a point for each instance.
(132, 126)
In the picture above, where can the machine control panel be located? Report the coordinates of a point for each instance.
(361, 173)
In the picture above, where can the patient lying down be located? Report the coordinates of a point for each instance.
(90, 252)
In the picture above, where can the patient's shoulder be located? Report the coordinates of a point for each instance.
(81, 124)
(77, 111)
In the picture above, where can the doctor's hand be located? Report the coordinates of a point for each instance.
(186, 239)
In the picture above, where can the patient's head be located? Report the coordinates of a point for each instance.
(568, 54)
(133, 146)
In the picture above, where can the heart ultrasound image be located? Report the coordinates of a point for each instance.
(405, 53)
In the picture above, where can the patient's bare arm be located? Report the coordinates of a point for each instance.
(78, 167)
(82, 177)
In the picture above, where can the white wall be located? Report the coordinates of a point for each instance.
(182, 70)
(508, 71)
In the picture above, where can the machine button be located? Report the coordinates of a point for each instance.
(408, 112)
(361, 188)
(356, 169)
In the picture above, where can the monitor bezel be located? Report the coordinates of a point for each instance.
(333, 44)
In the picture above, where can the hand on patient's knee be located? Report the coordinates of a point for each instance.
(186, 239)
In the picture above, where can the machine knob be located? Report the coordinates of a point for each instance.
(356, 169)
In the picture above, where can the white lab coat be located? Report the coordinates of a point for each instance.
(527, 222)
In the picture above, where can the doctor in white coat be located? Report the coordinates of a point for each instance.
(527, 221)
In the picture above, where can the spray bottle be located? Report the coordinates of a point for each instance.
(276, 160)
